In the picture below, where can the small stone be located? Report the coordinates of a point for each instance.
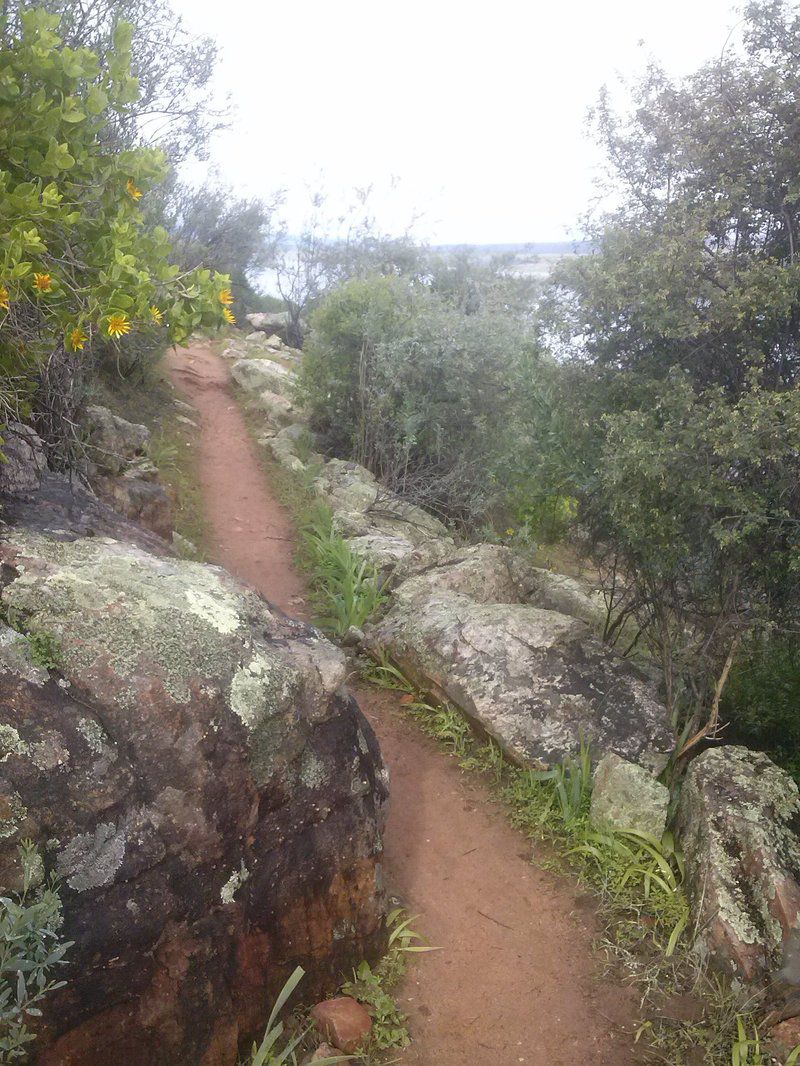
(784, 1038)
(324, 1051)
(626, 796)
(343, 1022)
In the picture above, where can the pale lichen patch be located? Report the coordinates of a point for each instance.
(92, 859)
(11, 743)
(234, 883)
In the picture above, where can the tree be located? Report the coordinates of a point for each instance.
(174, 108)
(699, 266)
(313, 263)
(211, 225)
(681, 335)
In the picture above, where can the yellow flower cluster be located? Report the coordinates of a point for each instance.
(4, 298)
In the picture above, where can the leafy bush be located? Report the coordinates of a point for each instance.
(77, 263)
(416, 390)
(30, 948)
(761, 702)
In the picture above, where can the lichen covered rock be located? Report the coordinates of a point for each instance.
(535, 681)
(260, 375)
(113, 442)
(737, 824)
(204, 787)
(626, 796)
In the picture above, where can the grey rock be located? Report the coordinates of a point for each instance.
(259, 375)
(737, 824)
(627, 796)
(535, 681)
(113, 442)
(25, 462)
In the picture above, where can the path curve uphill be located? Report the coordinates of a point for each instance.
(516, 980)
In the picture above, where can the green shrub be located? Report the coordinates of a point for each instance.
(761, 703)
(30, 949)
(77, 263)
(419, 391)
(346, 589)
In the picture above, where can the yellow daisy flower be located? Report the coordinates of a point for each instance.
(229, 316)
(42, 282)
(133, 192)
(157, 316)
(77, 339)
(509, 532)
(4, 298)
(226, 297)
(118, 325)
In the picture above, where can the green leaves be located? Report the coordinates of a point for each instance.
(72, 208)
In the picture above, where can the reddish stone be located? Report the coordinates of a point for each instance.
(344, 1022)
(784, 1038)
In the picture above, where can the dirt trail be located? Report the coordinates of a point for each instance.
(516, 980)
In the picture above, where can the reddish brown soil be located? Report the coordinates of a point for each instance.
(516, 980)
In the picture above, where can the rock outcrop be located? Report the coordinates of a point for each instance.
(24, 462)
(121, 473)
(275, 323)
(737, 821)
(204, 787)
(263, 375)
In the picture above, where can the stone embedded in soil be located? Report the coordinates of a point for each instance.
(209, 795)
(626, 796)
(737, 821)
(344, 1022)
(783, 1038)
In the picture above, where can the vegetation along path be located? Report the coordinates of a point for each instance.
(515, 980)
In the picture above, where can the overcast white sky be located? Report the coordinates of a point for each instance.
(478, 110)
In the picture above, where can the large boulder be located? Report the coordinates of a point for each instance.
(202, 784)
(495, 573)
(260, 375)
(63, 509)
(350, 489)
(737, 822)
(23, 463)
(535, 681)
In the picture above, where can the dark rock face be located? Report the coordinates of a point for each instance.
(208, 793)
(737, 821)
(66, 511)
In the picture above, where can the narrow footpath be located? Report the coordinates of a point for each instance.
(516, 980)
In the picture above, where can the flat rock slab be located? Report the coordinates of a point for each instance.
(535, 681)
